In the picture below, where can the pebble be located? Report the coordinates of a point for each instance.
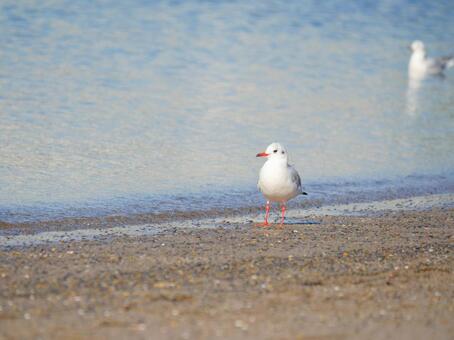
(241, 324)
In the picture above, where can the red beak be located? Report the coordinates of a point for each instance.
(262, 154)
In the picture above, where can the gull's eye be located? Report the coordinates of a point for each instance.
(275, 151)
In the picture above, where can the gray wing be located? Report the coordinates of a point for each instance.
(437, 65)
(295, 177)
(448, 61)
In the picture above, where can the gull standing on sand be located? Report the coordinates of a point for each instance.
(278, 181)
(420, 66)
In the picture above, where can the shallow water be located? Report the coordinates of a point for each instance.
(160, 106)
(12, 238)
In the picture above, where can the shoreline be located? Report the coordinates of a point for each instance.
(109, 227)
(383, 276)
(224, 201)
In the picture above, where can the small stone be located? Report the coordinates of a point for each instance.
(164, 284)
(241, 324)
(141, 327)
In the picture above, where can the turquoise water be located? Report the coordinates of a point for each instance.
(113, 107)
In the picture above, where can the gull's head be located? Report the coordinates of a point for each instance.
(417, 46)
(274, 151)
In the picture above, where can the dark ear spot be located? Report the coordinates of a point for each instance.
(282, 152)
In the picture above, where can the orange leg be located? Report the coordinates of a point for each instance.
(283, 209)
(267, 214)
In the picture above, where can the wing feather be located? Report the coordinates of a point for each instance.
(295, 177)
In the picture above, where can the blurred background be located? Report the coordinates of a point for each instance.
(149, 106)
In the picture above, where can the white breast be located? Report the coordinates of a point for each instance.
(417, 66)
(276, 182)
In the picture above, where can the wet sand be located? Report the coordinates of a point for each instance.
(381, 277)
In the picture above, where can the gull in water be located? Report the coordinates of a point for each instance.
(278, 181)
(420, 66)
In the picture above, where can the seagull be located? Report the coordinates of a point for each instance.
(419, 65)
(278, 181)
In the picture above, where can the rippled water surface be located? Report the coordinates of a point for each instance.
(111, 106)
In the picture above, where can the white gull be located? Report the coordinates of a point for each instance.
(278, 181)
(420, 65)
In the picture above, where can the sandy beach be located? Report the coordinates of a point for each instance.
(347, 277)
(140, 142)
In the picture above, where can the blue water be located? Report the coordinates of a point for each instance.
(145, 106)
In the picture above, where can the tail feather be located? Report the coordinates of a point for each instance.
(448, 61)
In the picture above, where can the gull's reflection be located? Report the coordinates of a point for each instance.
(412, 96)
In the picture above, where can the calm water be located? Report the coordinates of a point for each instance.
(110, 106)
